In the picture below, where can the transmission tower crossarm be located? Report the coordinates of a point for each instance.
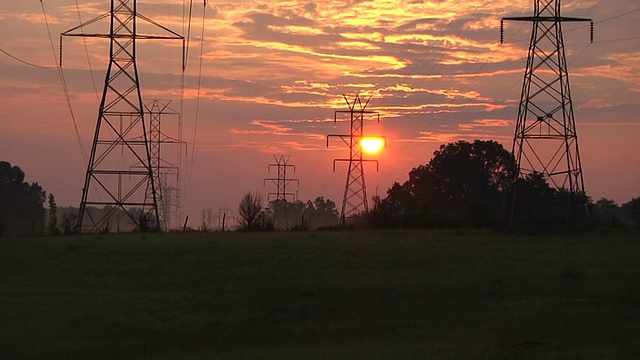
(342, 137)
(363, 160)
(335, 116)
(140, 37)
(546, 18)
(264, 182)
(173, 35)
(72, 32)
(355, 111)
(537, 19)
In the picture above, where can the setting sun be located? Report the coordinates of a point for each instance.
(372, 145)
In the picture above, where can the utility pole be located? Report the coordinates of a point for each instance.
(222, 217)
(281, 183)
(354, 201)
(120, 174)
(545, 139)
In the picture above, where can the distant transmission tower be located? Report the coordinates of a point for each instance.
(354, 201)
(166, 175)
(281, 182)
(120, 172)
(545, 139)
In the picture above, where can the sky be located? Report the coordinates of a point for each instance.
(264, 78)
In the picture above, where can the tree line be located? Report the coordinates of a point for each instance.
(464, 185)
(21, 203)
(470, 185)
(284, 215)
(23, 211)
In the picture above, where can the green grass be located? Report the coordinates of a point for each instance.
(320, 295)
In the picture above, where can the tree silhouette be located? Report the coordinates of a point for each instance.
(285, 214)
(54, 230)
(632, 208)
(250, 209)
(321, 212)
(462, 182)
(461, 173)
(21, 203)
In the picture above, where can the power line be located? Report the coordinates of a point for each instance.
(435, 65)
(64, 85)
(437, 62)
(184, 149)
(606, 19)
(618, 16)
(199, 88)
(24, 61)
(188, 31)
(476, 73)
(86, 51)
(617, 40)
(483, 65)
(593, 8)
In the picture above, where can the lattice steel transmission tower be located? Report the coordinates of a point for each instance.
(281, 183)
(354, 201)
(546, 140)
(166, 174)
(120, 173)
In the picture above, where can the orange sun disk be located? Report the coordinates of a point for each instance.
(372, 145)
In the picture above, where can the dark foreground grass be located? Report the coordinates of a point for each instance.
(320, 295)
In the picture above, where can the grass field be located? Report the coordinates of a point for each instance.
(320, 295)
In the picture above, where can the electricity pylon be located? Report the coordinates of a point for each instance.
(354, 201)
(281, 183)
(166, 175)
(120, 175)
(545, 139)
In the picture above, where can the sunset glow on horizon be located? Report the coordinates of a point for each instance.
(264, 78)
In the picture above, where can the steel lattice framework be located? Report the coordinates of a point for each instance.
(545, 139)
(166, 175)
(120, 172)
(354, 201)
(281, 182)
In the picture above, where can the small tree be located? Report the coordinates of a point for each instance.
(53, 216)
(285, 214)
(250, 210)
(69, 224)
(321, 213)
(143, 223)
